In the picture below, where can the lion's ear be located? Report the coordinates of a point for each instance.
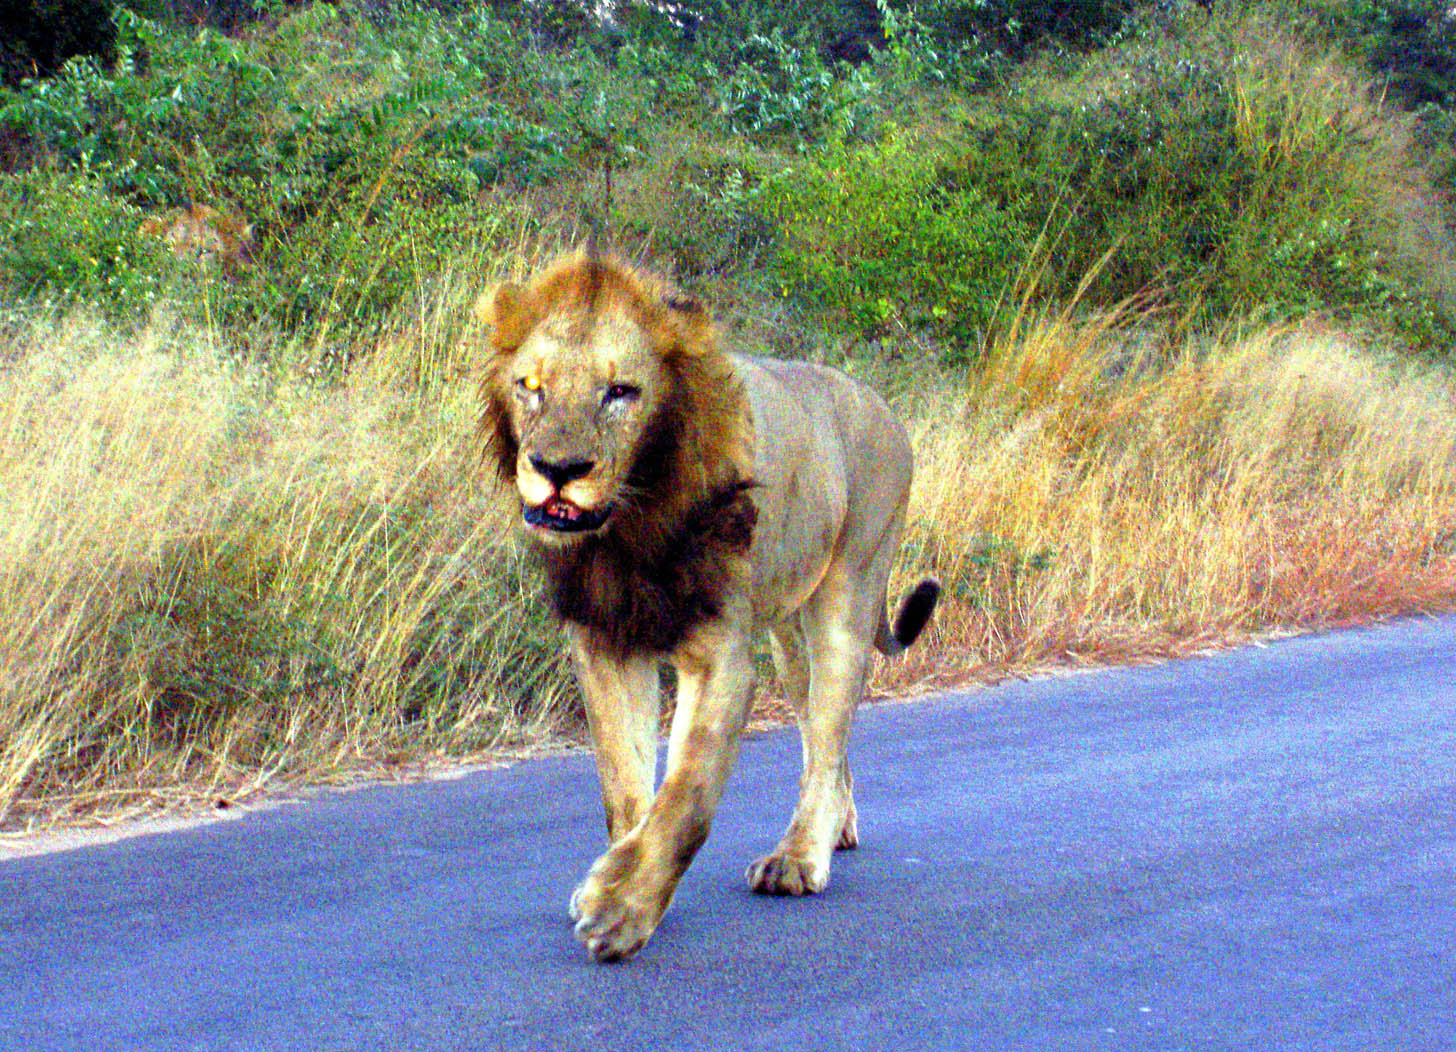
(504, 311)
(693, 328)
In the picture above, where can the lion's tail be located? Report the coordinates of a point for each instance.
(914, 614)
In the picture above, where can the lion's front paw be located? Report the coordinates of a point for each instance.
(849, 832)
(612, 922)
(617, 907)
(786, 874)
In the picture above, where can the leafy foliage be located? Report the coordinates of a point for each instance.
(882, 235)
(374, 149)
(364, 174)
(67, 238)
(1411, 44)
(1226, 186)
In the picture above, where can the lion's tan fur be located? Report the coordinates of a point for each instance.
(202, 234)
(716, 495)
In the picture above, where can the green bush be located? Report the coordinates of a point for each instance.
(779, 86)
(66, 238)
(364, 177)
(673, 80)
(880, 235)
(1015, 28)
(1410, 44)
(701, 206)
(761, 71)
(1150, 169)
(1228, 169)
(204, 111)
(328, 269)
(1224, 186)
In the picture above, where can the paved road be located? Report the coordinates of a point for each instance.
(1250, 851)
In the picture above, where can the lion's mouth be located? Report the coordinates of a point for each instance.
(562, 516)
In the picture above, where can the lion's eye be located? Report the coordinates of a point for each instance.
(529, 383)
(622, 393)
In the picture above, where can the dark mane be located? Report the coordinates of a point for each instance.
(641, 597)
(644, 583)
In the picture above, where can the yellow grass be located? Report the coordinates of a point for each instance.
(216, 575)
(209, 574)
(1086, 500)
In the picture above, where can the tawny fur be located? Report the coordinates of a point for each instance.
(202, 234)
(682, 497)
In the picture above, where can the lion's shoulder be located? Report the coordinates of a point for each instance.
(818, 403)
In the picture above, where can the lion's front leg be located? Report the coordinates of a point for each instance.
(619, 904)
(622, 712)
(837, 628)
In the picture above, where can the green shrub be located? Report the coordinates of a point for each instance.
(778, 87)
(1016, 27)
(201, 112)
(882, 236)
(1230, 170)
(364, 176)
(1226, 185)
(673, 81)
(700, 206)
(1410, 44)
(755, 71)
(328, 270)
(65, 237)
(1150, 169)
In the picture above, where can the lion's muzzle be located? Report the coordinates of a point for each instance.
(560, 474)
(545, 504)
(562, 516)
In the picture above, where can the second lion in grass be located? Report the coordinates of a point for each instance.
(682, 498)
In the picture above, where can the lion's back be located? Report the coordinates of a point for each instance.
(816, 410)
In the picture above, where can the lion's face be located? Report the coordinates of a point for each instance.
(607, 402)
(584, 393)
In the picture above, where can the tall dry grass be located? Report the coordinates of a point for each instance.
(217, 575)
(1094, 497)
(213, 574)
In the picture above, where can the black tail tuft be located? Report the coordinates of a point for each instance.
(915, 611)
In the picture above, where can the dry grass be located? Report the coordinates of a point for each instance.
(1089, 501)
(216, 576)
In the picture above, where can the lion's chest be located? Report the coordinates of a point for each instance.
(646, 598)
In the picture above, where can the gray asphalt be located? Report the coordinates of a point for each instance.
(1255, 850)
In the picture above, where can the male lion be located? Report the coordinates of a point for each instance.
(680, 497)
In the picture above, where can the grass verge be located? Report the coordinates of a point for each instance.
(1093, 497)
(216, 575)
(212, 574)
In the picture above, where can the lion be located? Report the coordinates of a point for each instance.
(203, 235)
(681, 497)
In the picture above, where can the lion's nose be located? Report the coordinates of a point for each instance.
(559, 474)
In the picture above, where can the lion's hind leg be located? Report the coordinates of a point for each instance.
(849, 831)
